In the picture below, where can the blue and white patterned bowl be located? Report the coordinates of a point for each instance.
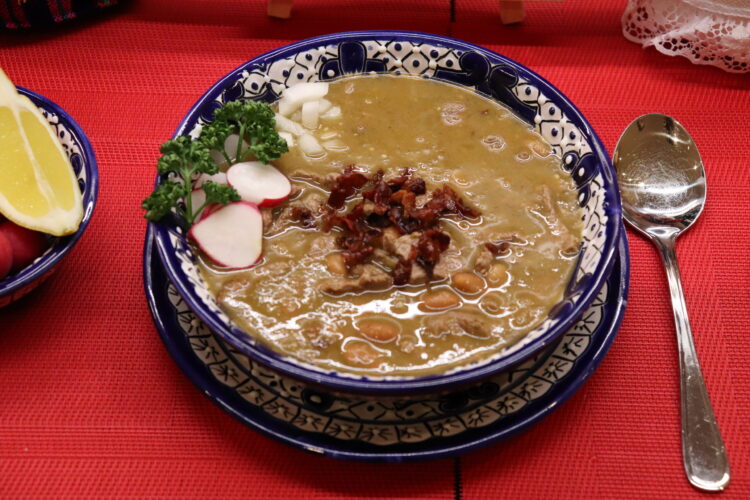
(77, 147)
(531, 97)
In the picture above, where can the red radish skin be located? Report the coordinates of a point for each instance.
(259, 183)
(6, 256)
(231, 236)
(26, 244)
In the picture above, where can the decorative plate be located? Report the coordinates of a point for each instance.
(378, 428)
(76, 145)
(527, 94)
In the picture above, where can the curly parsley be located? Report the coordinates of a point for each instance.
(183, 158)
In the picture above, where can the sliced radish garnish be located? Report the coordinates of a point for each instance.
(310, 145)
(259, 183)
(310, 113)
(289, 138)
(296, 96)
(231, 236)
(220, 178)
(230, 147)
(287, 125)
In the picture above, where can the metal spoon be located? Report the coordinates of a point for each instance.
(663, 189)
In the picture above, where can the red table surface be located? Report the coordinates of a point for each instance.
(91, 405)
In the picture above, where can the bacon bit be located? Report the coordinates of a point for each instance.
(392, 203)
(497, 248)
(304, 216)
(344, 186)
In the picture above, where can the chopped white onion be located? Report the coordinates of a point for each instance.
(310, 146)
(324, 105)
(289, 138)
(310, 115)
(332, 114)
(295, 96)
(287, 125)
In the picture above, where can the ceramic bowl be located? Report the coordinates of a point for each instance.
(531, 97)
(77, 147)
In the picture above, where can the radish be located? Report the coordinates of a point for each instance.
(231, 236)
(296, 96)
(220, 178)
(230, 147)
(26, 244)
(259, 183)
(197, 199)
(6, 256)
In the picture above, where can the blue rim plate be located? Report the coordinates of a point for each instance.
(81, 155)
(529, 95)
(213, 382)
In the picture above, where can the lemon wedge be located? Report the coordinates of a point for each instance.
(38, 187)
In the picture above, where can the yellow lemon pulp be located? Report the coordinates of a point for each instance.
(38, 188)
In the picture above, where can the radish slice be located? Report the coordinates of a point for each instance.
(310, 146)
(332, 114)
(259, 183)
(287, 125)
(310, 115)
(289, 138)
(296, 96)
(231, 236)
(220, 178)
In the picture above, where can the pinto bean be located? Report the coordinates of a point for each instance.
(440, 299)
(467, 282)
(497, 271)
(335, 263)
(379, 330)
(360, 352)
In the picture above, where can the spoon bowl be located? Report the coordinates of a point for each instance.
(663, 189)
(660, 174)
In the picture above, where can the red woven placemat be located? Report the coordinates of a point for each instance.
(91, 405)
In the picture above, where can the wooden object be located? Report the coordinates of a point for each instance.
(281, 9)
(511, 11)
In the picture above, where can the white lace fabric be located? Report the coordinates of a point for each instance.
(713, 32)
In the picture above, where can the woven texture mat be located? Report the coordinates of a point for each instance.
(91, 405)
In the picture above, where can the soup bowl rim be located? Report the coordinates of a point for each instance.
(396, 385)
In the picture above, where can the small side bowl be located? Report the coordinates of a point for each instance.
(77, 146)
(527, 94)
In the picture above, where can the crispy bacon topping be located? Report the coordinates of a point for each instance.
(387, 203)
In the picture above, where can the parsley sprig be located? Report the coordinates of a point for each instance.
(183, 159)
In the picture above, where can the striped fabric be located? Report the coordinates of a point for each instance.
(16, 14)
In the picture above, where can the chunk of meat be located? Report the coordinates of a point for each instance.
(299, 213)
(402, 245)
(371, 278)
(483, 260)
(323, 245)
(546, 208)
(267, 215)
(457, 323)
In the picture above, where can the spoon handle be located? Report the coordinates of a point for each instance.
(704, 456)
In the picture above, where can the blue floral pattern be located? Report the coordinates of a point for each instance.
(267, 77)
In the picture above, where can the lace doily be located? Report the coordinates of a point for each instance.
(714, 32)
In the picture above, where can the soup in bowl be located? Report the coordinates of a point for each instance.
(449, 213)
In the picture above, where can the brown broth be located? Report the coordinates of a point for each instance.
(496, 163)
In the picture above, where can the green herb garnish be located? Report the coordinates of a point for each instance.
(183, 158)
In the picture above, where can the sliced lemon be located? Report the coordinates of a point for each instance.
(38, 187)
